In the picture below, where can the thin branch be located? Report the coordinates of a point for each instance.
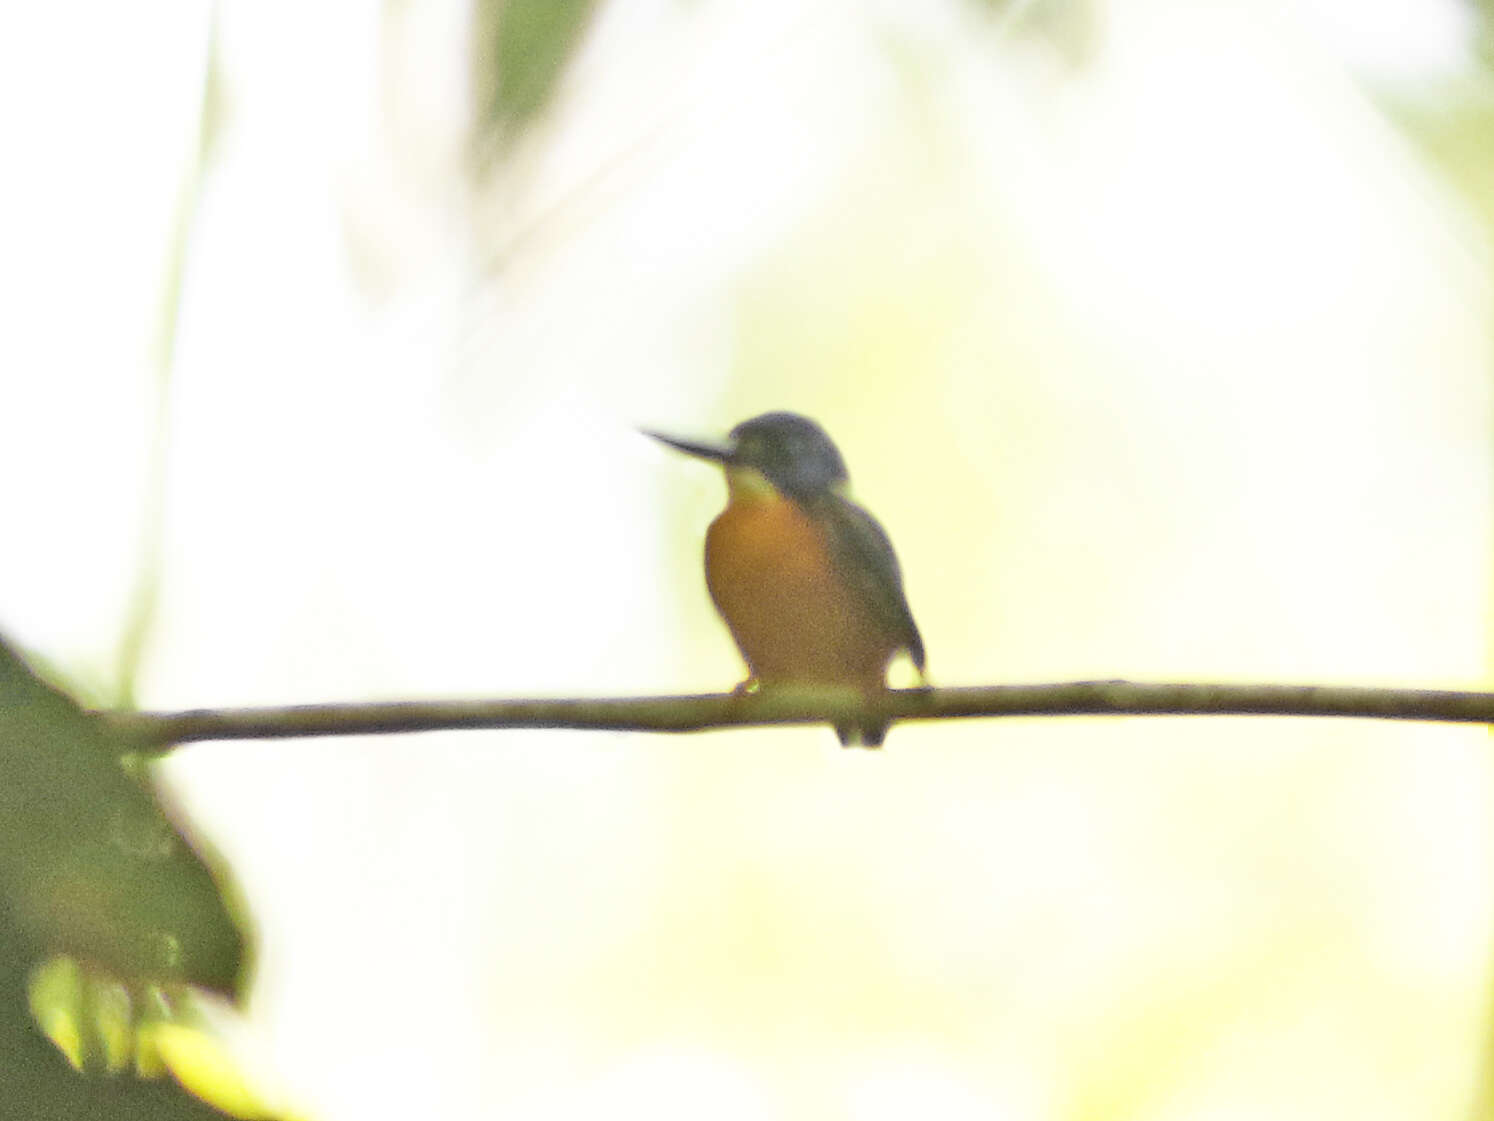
(159, 730)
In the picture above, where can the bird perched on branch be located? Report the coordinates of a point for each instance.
(805, 579)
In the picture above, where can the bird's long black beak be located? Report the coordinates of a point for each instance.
(716, 453)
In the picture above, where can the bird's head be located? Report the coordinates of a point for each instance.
(786, 452)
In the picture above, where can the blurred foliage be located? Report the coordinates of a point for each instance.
(140, 622)
(100, 1025)
(215, 106)
(89, 864)
(40, 1083)
(1483, 11)
(1071, 28)
(91, 868)
(519, 50)
(1454, 133)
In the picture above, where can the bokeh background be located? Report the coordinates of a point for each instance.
(1158, 334)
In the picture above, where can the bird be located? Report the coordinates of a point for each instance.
(805, 579)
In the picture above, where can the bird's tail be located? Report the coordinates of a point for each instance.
(861, 735)
(872, 734)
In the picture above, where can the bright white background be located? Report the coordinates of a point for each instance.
(1170, 361)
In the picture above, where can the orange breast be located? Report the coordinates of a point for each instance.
(793, 618)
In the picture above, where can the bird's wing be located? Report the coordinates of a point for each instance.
(863, 552)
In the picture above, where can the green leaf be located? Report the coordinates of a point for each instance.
(90, 866)
(520, 50)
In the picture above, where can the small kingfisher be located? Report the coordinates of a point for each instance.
(805, 579)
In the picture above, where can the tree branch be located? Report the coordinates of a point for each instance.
(159, 730)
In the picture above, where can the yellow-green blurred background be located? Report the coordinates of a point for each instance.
(1158, 333)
